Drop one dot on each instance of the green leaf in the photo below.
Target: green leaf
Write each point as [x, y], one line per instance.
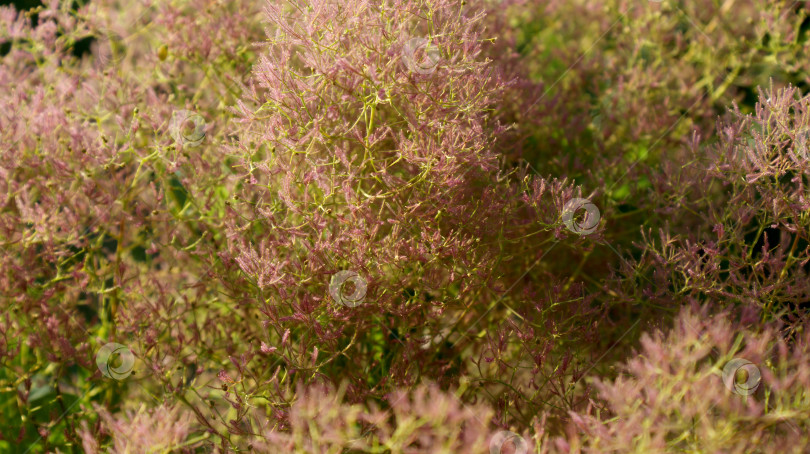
[621, 193]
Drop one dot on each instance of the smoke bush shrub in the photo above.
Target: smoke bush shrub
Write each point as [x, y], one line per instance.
[355, 161]
[429, 151]
[741, 233]
[645, 73]
[157, 430]
[672, 396]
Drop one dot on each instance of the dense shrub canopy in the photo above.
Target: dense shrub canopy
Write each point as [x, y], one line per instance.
[404, 226]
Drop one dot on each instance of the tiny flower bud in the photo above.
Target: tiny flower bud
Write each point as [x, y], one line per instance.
[163, 52]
